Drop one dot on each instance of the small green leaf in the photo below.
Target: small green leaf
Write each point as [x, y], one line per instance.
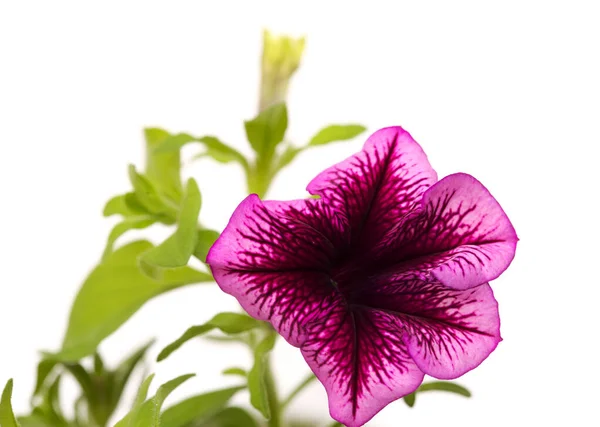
[336, 133]
[7, 416]
[229, 323]
[118, 206]
[130, 223]
[231, 417]
[444, 386]
[177, 249]
[235, 371]
[409, 399]
[129, 419]
[163, 168]
[256, 376]
[49, 409]
[147, 195]
[267, 130]
[123, 372]
[111, 294]
[85, 381]
[206, 238]
[44, 368]
[198, 409]
[214, 148]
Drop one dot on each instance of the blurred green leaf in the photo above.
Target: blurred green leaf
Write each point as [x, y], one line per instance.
[176, 250]
[206, 238]
[130, 223]
[163, 168]
[111, 294]
[267, 130]
[7, 416]
[44, 368]
[198, 409]
[286, 157]
[213, 146]
[235, 371]
[118, 206]
[49, 409]
[147, 195]
[230, 417]
[439, 386]
[31, 421]
[229, 323]
[85, 381]
[129, 419]
[256, 376]
[149, 413]
[336, 133]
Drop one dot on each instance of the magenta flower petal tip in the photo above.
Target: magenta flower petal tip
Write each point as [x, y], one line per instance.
[381, 280]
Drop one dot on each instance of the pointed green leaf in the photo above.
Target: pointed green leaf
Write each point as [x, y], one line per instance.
[177, 249]
[44, 368]
[229, 323]
[147, 195]
[130, 223]
[7, 416]
[50, 409]
[336, 133]
[129, 419]
[206, 238]
[444, 386]
[111, 294]
[235, 371]
[85, 381]
[213, 146]
[267, 130]
[123, 372]
[409, 399]
[231, 417]
[163, 168]
[256, 376]
[198, 409]
[118, 206]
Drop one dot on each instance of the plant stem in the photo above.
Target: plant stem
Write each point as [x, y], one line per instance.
[275, 407]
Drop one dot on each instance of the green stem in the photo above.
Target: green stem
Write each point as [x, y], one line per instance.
[274, 405]
[309, 379]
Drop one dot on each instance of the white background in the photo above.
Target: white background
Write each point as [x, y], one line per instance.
[508, 92]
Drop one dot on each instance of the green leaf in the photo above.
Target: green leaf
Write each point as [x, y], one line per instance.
[129, 419]
[111, 294]
[206, 238]
[49, 409]
[85, 381]
[214, 148]
[130, 223]
[44, 368]
[147, 195]
[118, 206]
[148, 414]
[444, 386]
[177, 249]
[229, 323]
[336, 133]
[163, 168]
[121, 375]
[267, 130]
[235, 371]
[198, 409]
[7, 416]
[436, 385]
[230, 417]
[256, 376]
[286, 157]
[409, 399]
[32, 421]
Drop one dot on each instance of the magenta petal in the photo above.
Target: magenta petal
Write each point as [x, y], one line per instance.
[447, 332]
[361, 359]
[460, 235]
[377, 186]
[274, 259]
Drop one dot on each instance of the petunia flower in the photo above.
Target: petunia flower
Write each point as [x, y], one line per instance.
[380, 280]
